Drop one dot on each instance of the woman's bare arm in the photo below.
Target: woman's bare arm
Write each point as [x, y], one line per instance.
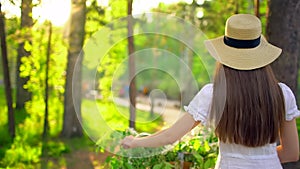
[288, 150]
[167, 136]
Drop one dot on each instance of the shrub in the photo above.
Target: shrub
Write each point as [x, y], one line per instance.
[200, 150]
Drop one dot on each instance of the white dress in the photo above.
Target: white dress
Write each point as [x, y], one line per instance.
[234, 156]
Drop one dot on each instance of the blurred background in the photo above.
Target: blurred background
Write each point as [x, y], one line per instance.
[41, 44]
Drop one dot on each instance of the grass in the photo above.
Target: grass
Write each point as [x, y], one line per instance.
[100, 119]
[5, 139]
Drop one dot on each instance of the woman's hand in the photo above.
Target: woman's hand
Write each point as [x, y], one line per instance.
[127, 142]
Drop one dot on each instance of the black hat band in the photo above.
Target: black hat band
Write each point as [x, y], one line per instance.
[236, 43]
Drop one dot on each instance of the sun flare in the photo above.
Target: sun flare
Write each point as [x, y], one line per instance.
[56, 11]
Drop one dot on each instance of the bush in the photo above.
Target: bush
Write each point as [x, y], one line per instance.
[200, 150]
[21, 152]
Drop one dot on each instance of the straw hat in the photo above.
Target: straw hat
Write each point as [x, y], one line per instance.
[242, 47]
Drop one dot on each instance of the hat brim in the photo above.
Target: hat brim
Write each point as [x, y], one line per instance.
[243, 59]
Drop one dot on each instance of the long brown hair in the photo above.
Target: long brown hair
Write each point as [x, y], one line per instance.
[247, 106]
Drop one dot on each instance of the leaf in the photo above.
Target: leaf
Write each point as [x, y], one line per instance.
[158, 166]
[209, 163]
[128, 166]
[206, 146]
[198, 157]
[168, 165]
[196, 145]
[27, 46]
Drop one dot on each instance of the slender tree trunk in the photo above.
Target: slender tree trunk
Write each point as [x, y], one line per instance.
[8, 94]
[23, 95]
[283, 30]
[71, 123]
[132, 86]
[188, 57]
[46, 121]
[236, 11]
[256, 8]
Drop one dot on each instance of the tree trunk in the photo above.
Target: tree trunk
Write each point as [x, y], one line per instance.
[46, 121]
[23, 95]
[132, 86]
[71, 123]
[256, 8]
[7, 85]
[283, 30]
[237, 6]
[188, 57]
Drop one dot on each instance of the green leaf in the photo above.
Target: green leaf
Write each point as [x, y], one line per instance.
[206, 146]
[158, 166]
[128, 166]
[27, 46]
[168, 165]
[209, 163]
[198, 157]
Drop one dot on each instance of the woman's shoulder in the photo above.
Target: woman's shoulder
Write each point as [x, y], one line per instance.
[205, 91]
[207, 87]
[286, 90]
[291, 107]
[283, 86]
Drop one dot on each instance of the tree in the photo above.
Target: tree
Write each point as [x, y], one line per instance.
[256, 8]
[188, 55]
[71, 123]
[283, 29]
[132, 87]
[8, 94]
[46, 121]
[22, 94]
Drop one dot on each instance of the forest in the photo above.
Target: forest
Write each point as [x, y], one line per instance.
[77, 76]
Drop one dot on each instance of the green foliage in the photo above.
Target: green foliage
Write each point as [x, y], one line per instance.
[27, 148]
[34, 67]
[215, 13]
[116, 12]
[5, 140]
[135, 158]
[55, 148]
[114, 66]
[156, 78]
[95, 18]
[108, 65]
[4, 136]
[199, 150]
[25, 154]
[21, 153]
